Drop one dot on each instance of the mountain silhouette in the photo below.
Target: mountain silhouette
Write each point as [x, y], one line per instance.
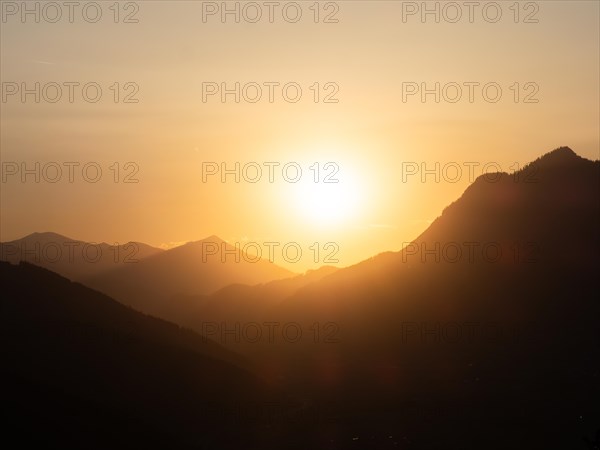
[72, 258]
[413, 323]
[240, 302]
[196, 268]
[498, 340]
[481, 333]
[83, 371]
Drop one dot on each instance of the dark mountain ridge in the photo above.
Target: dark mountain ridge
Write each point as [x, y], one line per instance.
[84, 371]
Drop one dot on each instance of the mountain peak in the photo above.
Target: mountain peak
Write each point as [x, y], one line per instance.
[562, 151]
[560, 155]
[559, 159]
[213, 238]
[46, 235]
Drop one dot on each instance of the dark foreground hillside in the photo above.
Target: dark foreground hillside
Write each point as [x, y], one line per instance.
[83, 371]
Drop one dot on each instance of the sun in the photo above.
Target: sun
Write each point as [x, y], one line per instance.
[330, 200]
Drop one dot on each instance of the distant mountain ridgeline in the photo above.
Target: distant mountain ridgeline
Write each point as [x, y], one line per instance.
[73, 258]
[139, 275]
[196, 268]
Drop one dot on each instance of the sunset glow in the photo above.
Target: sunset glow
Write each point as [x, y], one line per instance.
[304, 225]
[195, 87]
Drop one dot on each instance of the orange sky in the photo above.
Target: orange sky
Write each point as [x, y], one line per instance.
[369, 136]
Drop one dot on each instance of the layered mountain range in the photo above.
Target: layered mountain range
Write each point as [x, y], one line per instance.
[481, 333]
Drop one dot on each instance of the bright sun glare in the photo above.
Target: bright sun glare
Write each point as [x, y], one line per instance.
[329, 203]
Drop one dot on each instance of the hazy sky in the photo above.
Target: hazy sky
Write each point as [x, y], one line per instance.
[370, 57]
